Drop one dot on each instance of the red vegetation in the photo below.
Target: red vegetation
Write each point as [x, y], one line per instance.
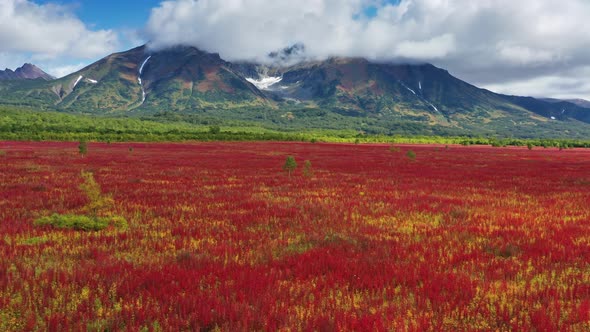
[219, 236]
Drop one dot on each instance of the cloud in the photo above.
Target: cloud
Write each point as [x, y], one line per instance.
[487, 42]
[250, 29]
[49, 31]
[565, 85]
[437, 47]
[63, 70]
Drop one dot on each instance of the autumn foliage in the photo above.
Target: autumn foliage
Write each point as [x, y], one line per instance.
[219, 237]
[98, 215]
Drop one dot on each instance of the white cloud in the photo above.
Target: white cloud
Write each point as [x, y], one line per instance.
[487, 42]
[247, 29]
[565, 85]
[49, 31]
[63, 70]
[437, 47]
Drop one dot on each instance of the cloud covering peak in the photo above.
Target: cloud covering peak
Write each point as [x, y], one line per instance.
[490, 42]
[251, 29]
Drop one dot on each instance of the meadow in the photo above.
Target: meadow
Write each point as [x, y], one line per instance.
[219, 237]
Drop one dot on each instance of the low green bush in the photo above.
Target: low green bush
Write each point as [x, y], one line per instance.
[394, 148]
[81, 222]
[34, 241]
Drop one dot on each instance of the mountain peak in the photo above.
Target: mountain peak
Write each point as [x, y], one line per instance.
[27, 71]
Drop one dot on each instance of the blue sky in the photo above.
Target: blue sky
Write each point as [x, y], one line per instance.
[109, 14]
[525, 47]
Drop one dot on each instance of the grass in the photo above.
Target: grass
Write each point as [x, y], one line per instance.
[25, 124]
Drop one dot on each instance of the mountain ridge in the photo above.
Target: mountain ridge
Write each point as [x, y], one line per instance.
[350, 93]
[578, 101]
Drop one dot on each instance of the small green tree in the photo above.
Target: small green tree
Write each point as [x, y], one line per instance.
[83, 147]
[307, 171]
[97, 202]
[411, 155]
[214, 130]
[290, 165]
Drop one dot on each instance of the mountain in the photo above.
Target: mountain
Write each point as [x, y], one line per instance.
[178, 78]
[292, 92]
[579, 102]
[418, 93]
[357, 86]
[555, 110]
[27, 71]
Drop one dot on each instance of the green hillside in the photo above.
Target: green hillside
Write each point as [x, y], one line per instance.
[188, 85]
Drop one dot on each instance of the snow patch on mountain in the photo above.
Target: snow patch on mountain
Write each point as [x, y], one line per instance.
[405, 86]
[77, 81]
[143, 64]
[139, 78]
[265, 82]
[420, 97]
[434, 107]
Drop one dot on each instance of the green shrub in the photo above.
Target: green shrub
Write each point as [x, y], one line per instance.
[394, 148]
[307, 170]
[411, 155]
[81, 222]
[290, 165]
[97, 202]
[73, 221]
[83, 147]
[34, 241]
[214, 130]
[98, 209]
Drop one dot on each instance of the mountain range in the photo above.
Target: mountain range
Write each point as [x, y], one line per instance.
[27, 71]
[293, 92]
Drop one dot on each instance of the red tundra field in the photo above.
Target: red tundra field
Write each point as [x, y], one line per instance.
[219, 237]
